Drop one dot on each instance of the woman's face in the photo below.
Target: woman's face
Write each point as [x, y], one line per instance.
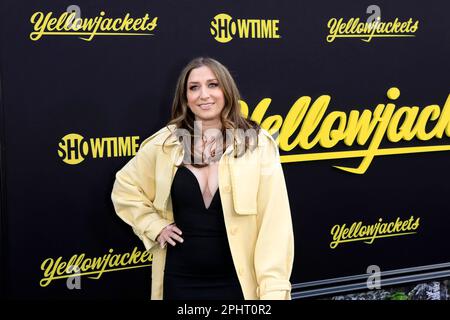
[204, 96]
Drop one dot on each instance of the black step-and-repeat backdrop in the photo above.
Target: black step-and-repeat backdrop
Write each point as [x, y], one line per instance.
[356, 93]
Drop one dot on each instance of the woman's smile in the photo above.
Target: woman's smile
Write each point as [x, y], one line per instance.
[206, 106]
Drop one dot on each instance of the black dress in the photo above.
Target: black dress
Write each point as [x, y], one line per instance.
[201, 267]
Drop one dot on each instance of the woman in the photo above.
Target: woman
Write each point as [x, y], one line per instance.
[207, 195]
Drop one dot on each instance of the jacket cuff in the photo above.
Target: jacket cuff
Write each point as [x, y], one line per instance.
[276, 295]
[148, 244]
[155, 228]
[149, 237]
[274, 289]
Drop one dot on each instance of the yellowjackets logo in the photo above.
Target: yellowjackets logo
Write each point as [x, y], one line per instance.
[79, 265]
[368, 233]
[74, 148]
[224, 28]
[71, 24]
[308, 125]
[373, 27]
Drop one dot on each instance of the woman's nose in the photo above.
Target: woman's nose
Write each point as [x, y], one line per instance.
[204, 93]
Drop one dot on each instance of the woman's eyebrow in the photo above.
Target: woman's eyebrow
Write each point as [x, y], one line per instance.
[209, 80]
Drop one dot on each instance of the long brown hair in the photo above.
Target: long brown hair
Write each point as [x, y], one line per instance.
[230, 117]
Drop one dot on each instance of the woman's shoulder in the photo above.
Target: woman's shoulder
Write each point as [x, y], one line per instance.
[160, 136]
[265, 139]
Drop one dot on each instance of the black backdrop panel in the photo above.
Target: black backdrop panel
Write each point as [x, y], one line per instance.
[122, 86]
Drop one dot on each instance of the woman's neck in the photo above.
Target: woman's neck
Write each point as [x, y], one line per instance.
[208, 127]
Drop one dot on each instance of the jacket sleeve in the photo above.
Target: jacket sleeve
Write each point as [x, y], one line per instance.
[274, 252]
[134, 192]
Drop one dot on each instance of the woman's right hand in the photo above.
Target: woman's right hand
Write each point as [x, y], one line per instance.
[168, 235]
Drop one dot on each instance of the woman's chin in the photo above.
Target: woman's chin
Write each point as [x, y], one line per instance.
[206, 116]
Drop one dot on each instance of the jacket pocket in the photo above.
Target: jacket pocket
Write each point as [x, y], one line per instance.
[244, 183]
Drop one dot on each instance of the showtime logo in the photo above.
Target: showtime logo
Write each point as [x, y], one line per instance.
[74, 148]
[223, 28]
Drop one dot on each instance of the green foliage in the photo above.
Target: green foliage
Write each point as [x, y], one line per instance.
[398, 296]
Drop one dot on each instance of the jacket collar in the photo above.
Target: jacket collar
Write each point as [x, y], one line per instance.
[171, 139]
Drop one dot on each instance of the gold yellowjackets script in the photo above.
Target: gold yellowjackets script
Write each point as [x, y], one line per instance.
[354, 28]
[67, 24]
[94, 267]
[368, 233]
[308, 125]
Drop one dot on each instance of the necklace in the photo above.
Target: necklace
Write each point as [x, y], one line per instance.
[209, 145]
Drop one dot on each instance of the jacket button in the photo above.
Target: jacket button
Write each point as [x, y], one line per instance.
[233, 231]
[241, 271]
[227, 188]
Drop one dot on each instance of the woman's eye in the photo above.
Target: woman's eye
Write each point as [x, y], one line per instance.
[211, 85]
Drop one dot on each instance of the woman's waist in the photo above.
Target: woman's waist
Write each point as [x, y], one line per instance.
[198, 254]
[194, 232]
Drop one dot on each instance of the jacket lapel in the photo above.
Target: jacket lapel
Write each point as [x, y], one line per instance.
[243, 172]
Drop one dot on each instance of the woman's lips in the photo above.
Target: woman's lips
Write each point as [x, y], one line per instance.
[206, 106]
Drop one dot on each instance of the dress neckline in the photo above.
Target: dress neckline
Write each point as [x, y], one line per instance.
[200, 189]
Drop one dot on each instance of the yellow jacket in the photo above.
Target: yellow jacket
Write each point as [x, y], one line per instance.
[255, 207]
